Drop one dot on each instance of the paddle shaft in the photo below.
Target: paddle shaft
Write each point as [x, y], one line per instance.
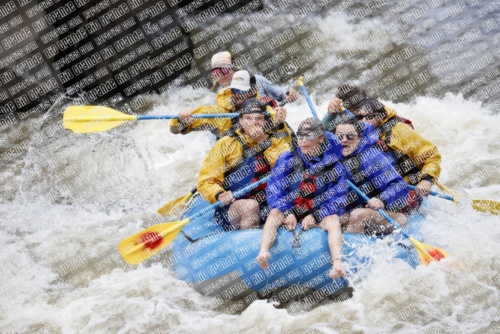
[382, 212]
[153, 117]
[238, 193]
[309, 102]
[146, 117]
[348, 112]
[424, 255]
[308, 99]
[435, 193]
[352, 185]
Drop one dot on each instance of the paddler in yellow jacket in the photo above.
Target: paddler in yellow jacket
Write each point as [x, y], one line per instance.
[236, 161]
[229, 99]
[414, 157]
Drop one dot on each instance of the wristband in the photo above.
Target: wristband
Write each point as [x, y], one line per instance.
[427, 177]
[336, 259]
[287, 213]
[218, 194]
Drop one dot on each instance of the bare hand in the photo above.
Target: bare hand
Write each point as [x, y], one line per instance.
[375, 204]
[291, 96]
[263, 259]
[308, 222]
[185, 115]
[337, 270]
[226, 197]
[291, 222]
[280, 114]
[334, 106]
[423, 188]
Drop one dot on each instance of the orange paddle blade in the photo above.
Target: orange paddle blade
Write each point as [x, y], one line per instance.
[428, 253]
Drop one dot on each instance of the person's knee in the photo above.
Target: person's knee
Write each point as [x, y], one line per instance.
[401, 219]
[275, 212]
[357, 212]
[243, 205]
[331, 223]
[361, 213]
[360, 219]
[275, 219]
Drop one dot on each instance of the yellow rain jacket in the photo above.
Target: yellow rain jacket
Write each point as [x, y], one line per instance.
[416, 156]
[225, 155]
[214, 125]
[219, 126]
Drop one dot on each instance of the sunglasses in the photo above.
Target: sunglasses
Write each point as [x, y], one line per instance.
[349, 136]
[369, 117]
[220, 72]
[306, 135]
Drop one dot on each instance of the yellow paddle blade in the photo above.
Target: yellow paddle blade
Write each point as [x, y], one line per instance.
[85, 119]
[428, 253]
[300, 81]
[482, 205]
[150, 241]
[177, 204]
[486, 205]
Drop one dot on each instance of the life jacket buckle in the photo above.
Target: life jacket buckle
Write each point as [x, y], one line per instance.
[296, 239]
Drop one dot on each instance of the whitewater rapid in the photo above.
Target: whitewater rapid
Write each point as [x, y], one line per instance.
[62, 272]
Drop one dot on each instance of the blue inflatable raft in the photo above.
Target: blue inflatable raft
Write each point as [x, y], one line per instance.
[222, 264]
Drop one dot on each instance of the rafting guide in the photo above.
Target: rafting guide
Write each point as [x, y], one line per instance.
[224, 67]
[242, 86]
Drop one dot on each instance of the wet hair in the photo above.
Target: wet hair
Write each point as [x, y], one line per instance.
[358, 125]
[312, 124]
[371, 105]
[251, 105]
[350, 94]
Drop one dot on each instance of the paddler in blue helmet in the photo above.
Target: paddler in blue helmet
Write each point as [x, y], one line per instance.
[308, 186]
[243, 86]
[238, 160]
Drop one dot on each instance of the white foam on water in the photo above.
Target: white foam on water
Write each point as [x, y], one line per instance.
[62, 273]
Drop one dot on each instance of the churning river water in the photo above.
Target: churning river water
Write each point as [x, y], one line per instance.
[68, 199]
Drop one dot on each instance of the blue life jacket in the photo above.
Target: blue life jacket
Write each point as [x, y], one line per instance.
[371, 170]
[309, 184]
